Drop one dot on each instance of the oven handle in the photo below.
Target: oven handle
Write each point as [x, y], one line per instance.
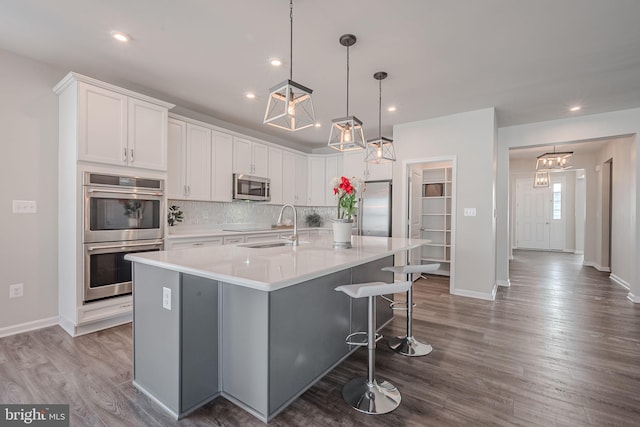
[130, 245]
[143, 193]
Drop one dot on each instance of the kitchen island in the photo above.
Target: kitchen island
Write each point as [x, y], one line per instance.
[257, 323]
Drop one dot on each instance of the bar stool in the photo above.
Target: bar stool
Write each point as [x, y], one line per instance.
[408, 345]
[368, 394]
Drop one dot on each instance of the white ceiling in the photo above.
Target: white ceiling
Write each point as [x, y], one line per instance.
[530, 59]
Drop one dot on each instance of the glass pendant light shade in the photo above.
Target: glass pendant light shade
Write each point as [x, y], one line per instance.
[380, 149]
[541, 179]
[290, 106]
[346, 134]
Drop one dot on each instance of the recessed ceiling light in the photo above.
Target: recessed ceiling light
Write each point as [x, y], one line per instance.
[250, 95]
[120, 36]
[276, 62]
[317, 124]
[576, 108]
[392, 108]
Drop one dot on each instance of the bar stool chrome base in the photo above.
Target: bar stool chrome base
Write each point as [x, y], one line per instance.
[409, 346]
[371, 398]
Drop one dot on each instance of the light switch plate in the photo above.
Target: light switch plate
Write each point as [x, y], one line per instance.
[166, 298]
[469, 211]
[24, 206]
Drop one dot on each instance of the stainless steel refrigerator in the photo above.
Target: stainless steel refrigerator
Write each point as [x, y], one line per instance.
[374, 212]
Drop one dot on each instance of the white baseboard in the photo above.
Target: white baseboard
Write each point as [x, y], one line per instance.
[620, 281]
[579, 252]
[479, 295]
[631, 297]
[596, 266]
[77, 330]
[503, 283]
[28, 326]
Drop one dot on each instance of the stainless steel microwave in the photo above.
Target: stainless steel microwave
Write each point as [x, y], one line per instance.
[247, 187]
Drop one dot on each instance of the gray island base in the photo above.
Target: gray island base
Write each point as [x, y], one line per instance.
[197, 338]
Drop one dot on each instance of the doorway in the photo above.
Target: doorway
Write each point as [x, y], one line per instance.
[430, 209]
[541, 214]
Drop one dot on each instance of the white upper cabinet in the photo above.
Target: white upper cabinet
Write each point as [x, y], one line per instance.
[199, 166]
[333, 167]
[379, 172]
[317, 181]
[221, 175]
[276, 175]
[250, 157]
[198, 163]
[114, 128]
[289, 178]
[176, 144]
[102, 125]
[147, 135]
[300, 181]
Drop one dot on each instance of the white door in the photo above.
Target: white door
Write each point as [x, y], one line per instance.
[540, 215]
[289, 178]
[242, 156]
[415, 212]
[300, 185]
[276, 175]
[221, 162]
[260, 158]
[317, 185]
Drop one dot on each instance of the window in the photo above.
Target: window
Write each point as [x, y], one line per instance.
[557, 201]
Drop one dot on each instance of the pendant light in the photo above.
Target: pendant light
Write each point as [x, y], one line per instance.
[541, 179]
[346, 132]
[290, 105]
[551, 161]
[380, 149]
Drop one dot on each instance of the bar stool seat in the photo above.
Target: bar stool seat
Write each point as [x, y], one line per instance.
[368, 394]
[407, 345]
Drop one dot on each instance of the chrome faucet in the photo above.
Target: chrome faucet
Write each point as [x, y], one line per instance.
[293, 239]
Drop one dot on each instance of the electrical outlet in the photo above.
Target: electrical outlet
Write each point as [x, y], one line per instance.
[25, 206]
[16, 290]
[469, 211]
[166, 298]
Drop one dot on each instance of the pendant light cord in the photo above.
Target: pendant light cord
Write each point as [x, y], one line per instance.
[290, 39]
[347, 81]
[380, 111]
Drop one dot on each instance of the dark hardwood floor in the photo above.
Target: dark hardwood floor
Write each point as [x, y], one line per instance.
[561, 346]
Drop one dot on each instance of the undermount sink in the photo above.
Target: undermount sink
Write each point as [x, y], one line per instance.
[265, 245]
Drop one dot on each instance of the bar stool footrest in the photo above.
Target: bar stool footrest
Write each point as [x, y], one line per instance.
[361, 343]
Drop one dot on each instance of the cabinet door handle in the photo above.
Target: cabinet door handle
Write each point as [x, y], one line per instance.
[124, 155]
[189, 190]
[131, 150]
[184, 190]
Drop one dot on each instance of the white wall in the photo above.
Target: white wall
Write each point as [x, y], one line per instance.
[470, 137]
[622, 264]
[606, 125]
[28, 171]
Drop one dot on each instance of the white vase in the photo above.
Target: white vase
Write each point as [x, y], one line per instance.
[342, 229]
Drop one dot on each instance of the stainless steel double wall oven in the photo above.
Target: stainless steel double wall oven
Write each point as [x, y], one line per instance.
[122, 214]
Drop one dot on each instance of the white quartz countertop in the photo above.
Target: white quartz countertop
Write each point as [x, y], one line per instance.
[274, 268]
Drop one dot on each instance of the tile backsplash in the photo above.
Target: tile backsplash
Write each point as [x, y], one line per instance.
[213, 215]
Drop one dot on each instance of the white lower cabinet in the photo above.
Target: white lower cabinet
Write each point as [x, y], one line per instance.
[193, 242]
[261, 237]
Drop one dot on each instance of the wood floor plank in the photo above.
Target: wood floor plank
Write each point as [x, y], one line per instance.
[559, 347]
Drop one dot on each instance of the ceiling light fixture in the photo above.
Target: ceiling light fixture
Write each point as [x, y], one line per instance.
[290, 105]
[346, 132]
[380, 149]
[391, 109]
[318, 124]
[250, 95]
[576, 108]
[276, 62]
[541, 179]
[554, 161]
[120, 36]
